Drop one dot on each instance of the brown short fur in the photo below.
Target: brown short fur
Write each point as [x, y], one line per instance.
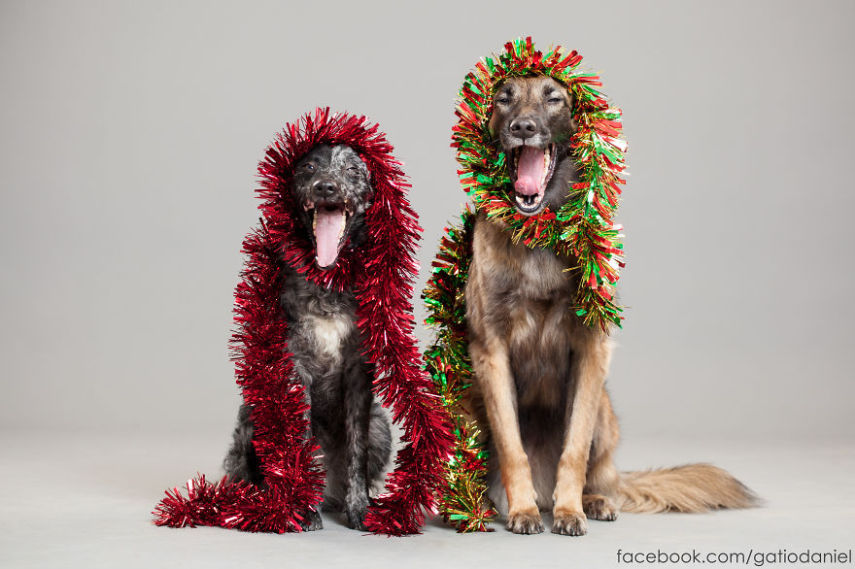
[540, 372]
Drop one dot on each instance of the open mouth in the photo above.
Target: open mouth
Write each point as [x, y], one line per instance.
[531, 169]
[329, 221]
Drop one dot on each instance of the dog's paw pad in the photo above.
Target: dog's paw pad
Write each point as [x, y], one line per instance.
[570, 524]
[525, 522]
[598, 507]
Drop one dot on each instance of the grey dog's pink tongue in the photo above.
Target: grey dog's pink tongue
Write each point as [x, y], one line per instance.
[329, 225]
[529, 171]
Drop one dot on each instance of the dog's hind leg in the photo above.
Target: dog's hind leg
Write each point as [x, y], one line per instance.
[602, 479]
[493, 370]
[592, 352]
[241, 462]
[379, 445]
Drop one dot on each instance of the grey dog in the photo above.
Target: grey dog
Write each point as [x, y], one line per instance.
[331, 193]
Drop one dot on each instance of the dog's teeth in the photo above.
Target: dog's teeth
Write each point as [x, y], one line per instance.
[528, 201]
[545, 167]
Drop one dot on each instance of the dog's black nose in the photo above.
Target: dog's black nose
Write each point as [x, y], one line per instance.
[523, 127]
[324, 188]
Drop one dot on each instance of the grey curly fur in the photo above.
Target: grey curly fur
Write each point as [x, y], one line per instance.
[326, 344]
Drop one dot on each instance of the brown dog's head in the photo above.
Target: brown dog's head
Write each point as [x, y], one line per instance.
[532, 120]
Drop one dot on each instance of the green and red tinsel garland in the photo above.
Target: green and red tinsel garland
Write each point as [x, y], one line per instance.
[583, 228]
[464, 502]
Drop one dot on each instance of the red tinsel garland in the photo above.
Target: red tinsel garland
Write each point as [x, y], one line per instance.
[381, 274]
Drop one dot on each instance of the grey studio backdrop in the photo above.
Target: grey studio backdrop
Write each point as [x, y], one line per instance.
[130, 138]
[132, 133]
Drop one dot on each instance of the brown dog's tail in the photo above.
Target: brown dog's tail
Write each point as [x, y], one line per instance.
[687, 488]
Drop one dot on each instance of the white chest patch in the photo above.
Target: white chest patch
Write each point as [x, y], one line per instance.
[329, 333]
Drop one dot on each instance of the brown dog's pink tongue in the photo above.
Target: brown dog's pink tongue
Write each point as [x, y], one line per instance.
[529, 171]
[329, 226]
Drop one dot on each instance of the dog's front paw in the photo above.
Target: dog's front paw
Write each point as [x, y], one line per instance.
[355, 510]
[525, 522]
[569, 523]
[356, 518]
[312, 521]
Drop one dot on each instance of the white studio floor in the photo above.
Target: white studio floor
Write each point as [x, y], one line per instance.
[80, 500]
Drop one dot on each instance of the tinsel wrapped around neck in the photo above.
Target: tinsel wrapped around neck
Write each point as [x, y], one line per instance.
[583, 227]
[380, 272]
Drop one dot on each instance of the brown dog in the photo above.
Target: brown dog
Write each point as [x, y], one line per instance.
[539, 371]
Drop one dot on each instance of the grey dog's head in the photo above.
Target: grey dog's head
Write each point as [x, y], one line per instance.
[333, 189]
[533, 122]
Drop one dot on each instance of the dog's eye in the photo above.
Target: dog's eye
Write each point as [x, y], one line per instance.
[554, 100]
[352, 170]
[309, 167]
[503, 100]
